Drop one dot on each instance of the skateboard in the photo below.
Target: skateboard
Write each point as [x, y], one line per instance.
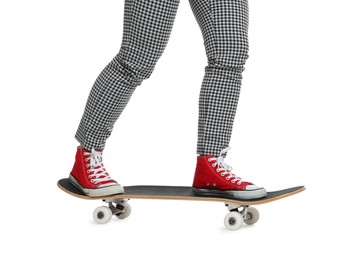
[240, 211]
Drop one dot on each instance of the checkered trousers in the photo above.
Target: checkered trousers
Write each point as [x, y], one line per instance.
[146, 31]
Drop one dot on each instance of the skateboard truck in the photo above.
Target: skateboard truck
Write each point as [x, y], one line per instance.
[117, 207]
[240, 214]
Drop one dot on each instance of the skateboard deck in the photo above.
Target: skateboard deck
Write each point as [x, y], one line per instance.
[239, 210]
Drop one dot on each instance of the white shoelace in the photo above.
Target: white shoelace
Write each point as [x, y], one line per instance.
[226, 169]
[97, 168]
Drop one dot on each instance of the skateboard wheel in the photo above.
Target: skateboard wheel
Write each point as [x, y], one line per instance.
[102, 215]
[252, 216]
[126, 212]
[233, 220]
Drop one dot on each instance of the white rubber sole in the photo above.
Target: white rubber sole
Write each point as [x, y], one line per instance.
[112, 189]
[244, 195]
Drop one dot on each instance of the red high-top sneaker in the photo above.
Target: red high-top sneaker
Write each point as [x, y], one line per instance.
[90, 175]
[213, 176]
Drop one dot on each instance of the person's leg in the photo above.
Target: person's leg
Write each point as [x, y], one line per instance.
[224, 25]
[147, 27]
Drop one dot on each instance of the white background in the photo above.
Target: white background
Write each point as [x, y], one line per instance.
[290, 129]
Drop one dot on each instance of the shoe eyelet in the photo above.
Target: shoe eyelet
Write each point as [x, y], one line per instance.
[87, 165]
[214, 165]
[88, 171]
[209, 159]
[227, 178]
[232, 181]
[222, 174]
[92, 181]
[217, 170]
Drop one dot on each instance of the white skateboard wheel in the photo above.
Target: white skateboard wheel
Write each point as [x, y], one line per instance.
[252, 216]
[126, 212]
[102, 215]
[233, 220]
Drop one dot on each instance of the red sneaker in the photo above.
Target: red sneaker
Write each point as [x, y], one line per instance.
[90, 175]
[213, 176]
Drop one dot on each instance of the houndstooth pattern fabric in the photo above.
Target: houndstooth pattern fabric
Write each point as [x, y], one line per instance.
[146, 31]
[224, 25]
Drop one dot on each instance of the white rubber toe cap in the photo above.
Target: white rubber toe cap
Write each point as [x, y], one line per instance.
[253, 187]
